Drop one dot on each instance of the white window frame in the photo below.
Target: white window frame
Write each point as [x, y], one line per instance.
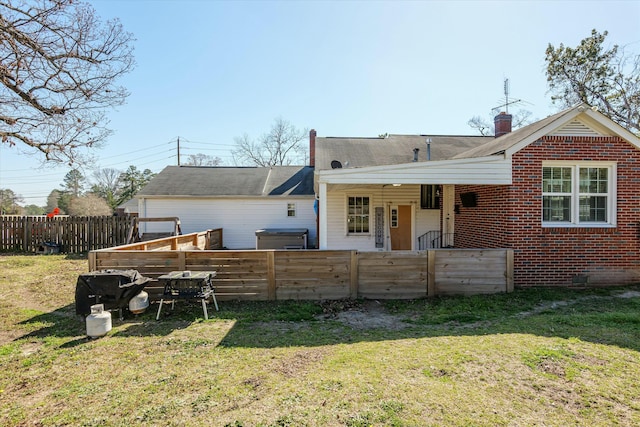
[575, 194]
[393, 217]
[291, 208]
[370, 215]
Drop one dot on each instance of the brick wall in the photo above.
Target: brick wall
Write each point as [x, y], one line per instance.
[510, 217]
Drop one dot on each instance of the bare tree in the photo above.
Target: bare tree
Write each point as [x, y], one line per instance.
[200, 159]
[280, 146]
[107, 178]
[480, 124]
[89, 205]
[107, 183]
[58, 70]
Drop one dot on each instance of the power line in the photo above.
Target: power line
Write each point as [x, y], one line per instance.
[208, 143]
[44, 178]
[128, 153]
[136, 163]
[132, 152]
[23, 178]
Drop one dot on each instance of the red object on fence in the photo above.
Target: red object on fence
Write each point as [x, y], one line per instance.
[53, 213]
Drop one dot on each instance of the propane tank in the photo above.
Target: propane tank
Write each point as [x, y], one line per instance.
[139, 303]
[98, 322]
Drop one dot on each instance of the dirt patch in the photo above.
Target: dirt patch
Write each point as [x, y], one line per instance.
[371, 314]
[590, 360]
[31, 348]
[629, 294]
[7, 336]
[253, 382]
[367, 314]
[299, 362]
[553, 305]
[553, 368]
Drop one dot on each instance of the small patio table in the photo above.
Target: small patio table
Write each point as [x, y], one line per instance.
[188, 285]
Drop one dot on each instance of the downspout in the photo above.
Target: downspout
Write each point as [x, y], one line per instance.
[316, 207]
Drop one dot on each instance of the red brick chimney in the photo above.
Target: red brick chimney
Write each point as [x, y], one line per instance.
[502, 123]
[312, 147]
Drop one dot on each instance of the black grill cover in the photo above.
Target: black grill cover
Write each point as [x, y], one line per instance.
[113, 288]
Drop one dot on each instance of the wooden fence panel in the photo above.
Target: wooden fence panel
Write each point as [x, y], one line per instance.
[397, 274]
[471, 271]
[239, 274]
[71, 234]
[312, 275]
[148, 263]
[11, 233]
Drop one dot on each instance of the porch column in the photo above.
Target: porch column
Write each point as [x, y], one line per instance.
[448, 226]
[322, 216]
[142, 213]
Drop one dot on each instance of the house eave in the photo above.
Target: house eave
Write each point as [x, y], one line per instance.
[489, 170]
[222, 197]
[614, 127]
[602, 121]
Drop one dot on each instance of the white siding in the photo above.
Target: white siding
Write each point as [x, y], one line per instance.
[337, 237]
[239, 218]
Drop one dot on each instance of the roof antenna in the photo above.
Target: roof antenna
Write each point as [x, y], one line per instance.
[506, 94]
[506, 98]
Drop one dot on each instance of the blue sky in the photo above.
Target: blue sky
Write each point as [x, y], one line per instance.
[210, 71]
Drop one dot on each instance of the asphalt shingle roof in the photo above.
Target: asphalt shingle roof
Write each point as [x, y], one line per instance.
[390, 150]
[231, 181]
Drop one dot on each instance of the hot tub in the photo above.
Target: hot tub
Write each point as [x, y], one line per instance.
[282, 238]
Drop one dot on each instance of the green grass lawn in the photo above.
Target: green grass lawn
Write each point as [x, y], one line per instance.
[545, 357]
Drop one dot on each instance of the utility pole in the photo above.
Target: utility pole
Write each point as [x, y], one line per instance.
[178, 151]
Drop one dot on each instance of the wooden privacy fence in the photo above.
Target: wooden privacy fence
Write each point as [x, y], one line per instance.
[71, 234]
[318, 274]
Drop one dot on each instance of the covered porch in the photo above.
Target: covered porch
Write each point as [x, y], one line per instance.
[408, 206]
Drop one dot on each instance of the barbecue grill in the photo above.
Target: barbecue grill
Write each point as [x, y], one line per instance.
[112, 288]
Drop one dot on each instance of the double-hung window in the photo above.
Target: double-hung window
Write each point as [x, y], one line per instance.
[581, 194]
[291, 209]
[358, 211]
